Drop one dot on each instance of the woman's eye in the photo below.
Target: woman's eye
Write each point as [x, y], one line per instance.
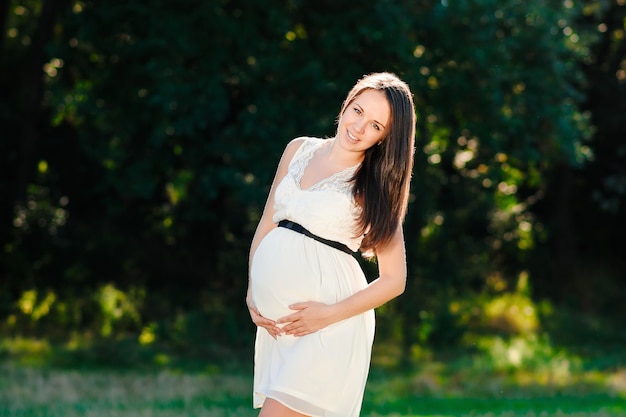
[376, 126]
[357, 111]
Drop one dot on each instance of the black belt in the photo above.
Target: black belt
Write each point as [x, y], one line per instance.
[288, 224]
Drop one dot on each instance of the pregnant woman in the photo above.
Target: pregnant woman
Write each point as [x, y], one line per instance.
[307, 293]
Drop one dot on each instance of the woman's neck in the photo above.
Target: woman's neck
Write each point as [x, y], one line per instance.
[340, 157]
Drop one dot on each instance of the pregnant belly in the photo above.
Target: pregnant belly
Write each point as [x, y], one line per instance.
[283, 271]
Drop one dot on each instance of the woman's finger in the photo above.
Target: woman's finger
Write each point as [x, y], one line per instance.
[273, 331]
[269, 325]
[265, 322]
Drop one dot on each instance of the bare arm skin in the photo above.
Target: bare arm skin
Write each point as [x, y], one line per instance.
[266, 224]
[313, 316]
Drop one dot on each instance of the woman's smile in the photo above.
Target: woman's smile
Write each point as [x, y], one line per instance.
[364, 120]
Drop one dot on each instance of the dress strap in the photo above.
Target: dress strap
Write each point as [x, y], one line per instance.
[302, 157]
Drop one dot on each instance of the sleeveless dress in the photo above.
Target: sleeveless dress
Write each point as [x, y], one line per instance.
[322, 374]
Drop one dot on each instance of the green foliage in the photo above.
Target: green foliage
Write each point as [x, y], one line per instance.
[138, 158]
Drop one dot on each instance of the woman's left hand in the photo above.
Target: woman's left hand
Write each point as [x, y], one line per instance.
[309, 317]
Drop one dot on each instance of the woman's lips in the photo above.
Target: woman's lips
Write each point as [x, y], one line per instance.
[352, 137]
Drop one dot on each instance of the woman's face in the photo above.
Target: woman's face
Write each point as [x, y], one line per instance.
[365, 121]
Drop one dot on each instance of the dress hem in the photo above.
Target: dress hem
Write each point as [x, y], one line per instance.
[300, 396]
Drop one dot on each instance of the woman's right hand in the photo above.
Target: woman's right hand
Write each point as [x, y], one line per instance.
[260, 321]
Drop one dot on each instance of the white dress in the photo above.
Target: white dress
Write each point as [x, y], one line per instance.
[322, 374]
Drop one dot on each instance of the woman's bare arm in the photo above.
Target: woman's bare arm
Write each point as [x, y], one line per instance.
[266, 224]
[312, 316]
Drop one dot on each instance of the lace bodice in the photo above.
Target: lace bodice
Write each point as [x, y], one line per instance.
[327, 208]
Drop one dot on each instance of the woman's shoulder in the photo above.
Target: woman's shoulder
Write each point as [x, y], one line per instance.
[301, 144]
[308, 140]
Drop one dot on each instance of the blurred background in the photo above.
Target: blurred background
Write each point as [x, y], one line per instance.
[139, 140]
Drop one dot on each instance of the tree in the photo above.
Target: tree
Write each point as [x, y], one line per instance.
[159, 129]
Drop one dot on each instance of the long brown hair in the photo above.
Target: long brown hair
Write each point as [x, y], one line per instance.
[381, 185]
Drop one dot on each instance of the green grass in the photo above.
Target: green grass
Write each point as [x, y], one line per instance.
[28, 391]
[516, 377]
[405, 397]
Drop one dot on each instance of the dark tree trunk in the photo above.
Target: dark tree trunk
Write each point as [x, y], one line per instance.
[565, 249]
[31, 93]
[5, 205]
[30, 114]
[4, 14]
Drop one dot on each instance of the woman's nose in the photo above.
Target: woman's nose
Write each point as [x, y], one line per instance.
[359, 125]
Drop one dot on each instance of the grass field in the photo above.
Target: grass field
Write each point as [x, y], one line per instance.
[518, 378]
[28, 391]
